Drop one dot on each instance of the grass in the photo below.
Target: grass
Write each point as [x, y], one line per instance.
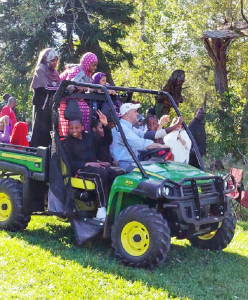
[42, 262]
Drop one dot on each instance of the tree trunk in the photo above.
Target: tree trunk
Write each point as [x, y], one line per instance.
[220, 72]
[217, 53]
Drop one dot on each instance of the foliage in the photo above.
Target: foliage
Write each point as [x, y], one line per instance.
[166, 36]
[43, 263]
[73, 27]
[231, 109]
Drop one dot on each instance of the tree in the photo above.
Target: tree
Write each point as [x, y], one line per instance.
[217, 43]
[72, 26]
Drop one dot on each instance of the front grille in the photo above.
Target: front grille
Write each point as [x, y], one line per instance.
[208, 188]
[187, 190]
[205, 188]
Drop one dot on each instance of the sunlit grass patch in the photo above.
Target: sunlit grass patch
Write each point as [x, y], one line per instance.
[43, 262]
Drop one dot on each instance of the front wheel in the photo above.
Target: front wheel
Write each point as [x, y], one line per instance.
[12, 216]
[140, 237]
[218, 239]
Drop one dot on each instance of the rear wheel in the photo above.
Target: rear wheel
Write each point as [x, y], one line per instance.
[12, 216]
[140, 237]
[217, 239]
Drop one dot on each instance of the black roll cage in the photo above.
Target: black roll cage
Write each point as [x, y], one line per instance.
[60, 93]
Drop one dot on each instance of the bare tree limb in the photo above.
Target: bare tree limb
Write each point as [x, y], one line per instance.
[210, 50]
[244, 157]
[242, 11]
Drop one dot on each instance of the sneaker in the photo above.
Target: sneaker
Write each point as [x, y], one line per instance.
[101, 214]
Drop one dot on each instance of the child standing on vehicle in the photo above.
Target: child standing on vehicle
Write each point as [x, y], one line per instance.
[82, 74]
[100, 78]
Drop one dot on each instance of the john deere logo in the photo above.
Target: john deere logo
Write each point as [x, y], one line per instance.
[129, 182]
[199, 190]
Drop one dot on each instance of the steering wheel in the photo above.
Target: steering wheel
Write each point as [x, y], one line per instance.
[163, 153]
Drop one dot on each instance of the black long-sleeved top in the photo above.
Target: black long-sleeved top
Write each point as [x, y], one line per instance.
[103, 153]
[80, 151]
[197, 129]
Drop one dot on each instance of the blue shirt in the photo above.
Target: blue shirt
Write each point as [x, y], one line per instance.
[134, 138]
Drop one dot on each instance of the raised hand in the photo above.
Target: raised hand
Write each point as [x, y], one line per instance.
[163, 121]
[102, 118]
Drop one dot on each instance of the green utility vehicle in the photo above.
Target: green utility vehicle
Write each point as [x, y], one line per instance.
[157, 200]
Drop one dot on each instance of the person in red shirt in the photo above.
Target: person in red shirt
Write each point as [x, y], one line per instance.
[8, 110]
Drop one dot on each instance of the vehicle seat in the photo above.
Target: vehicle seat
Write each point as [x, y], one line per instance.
[78, 183]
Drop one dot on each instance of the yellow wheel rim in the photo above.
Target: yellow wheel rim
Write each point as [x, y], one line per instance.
[135, 238]
[5, 207]
[209, 235]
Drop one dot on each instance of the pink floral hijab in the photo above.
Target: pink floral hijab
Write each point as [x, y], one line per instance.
[87, 59]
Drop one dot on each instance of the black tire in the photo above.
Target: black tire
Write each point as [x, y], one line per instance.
[218, 239]
[140, 237]
[12, 216]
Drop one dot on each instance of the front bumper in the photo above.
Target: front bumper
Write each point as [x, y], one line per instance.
[199, 200]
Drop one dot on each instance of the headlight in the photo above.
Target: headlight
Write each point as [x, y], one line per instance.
[167, 191]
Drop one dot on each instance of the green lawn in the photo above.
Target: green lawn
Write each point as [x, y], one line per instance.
[43, 263]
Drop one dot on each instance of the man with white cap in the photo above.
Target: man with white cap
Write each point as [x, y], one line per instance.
[133, 135]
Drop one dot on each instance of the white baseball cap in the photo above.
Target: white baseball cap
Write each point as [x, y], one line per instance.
[128, 106]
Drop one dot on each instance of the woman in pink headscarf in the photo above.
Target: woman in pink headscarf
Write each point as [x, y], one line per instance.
[79, 73]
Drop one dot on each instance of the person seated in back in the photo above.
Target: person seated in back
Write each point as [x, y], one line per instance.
[80, 148]
[5, 129]
[102, 132]
[155, 125]
[179, 141]
[19, 134]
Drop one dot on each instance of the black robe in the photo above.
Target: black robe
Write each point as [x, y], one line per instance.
[42, 118]
[197, 129]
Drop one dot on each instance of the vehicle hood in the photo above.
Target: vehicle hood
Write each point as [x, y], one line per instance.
[170, 170]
